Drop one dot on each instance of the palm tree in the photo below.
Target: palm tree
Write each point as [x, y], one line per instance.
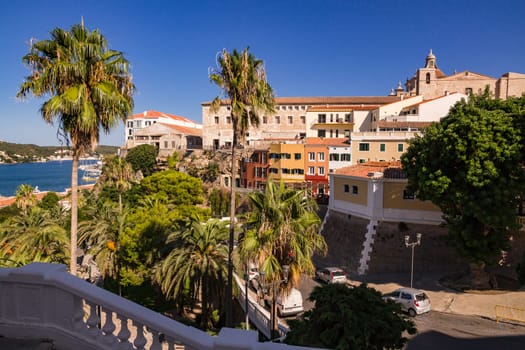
[198, 259]
[89, 87]
[119, 173]
[34, 235]
[242, 78]
[282, 236]
[102, 235]
[25, 197]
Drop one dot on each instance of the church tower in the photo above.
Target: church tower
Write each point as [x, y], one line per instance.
[426, 77]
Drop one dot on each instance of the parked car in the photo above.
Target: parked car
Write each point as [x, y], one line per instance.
[290, 304]
[331, 275]
[413, 301]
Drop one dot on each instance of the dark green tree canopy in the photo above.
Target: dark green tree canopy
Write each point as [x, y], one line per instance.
[143, 158]
[350, 318]
[470, 165]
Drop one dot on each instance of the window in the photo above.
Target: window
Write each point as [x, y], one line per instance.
[296, 107]
[336, 133]
[408, 195]
[274, 156]
[297, 171]
[331, 118]
[427, 79]
[311, 170]
[130, 124]
[347, 133]
[290, 108]
[320, 156]
[290, 119]
[286, 156]
[139, 124]
[346, 157]
[273, 170]
[468, 91]
[334, 157]
[320, 170]
[285, 171]
[321, 118]
[228, 120]
[216, 120]
[277, 119]
[297, 156]
[165, 144]
[346, 188]
[364, 147]
[172, 144]
[303, 119]
[302, 135]
[331, 133]
[382, 147]
[148, 123]
[265, 120]
[311, 156]
[355, 190]
[348, 118]
[400, 147]
[321, 133]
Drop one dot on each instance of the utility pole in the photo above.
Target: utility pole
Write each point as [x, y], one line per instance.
[412, 245]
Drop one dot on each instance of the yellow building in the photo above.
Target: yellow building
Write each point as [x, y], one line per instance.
[286, 163]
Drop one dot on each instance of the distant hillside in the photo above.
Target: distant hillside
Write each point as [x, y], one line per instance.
[18, 153]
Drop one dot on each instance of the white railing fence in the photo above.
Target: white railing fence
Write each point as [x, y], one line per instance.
[43, 301]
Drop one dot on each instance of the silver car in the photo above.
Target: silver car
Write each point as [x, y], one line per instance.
[331, 275]
[413, 301]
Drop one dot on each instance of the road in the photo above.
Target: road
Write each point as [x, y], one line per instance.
[439, 330]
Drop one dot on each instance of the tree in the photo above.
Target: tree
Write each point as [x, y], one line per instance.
[282, 236]
[33, 235]
[101, 234]
[198, 260]
[470, 165]
[118, 172]
[143, 158]
[350, 318]
[25, 197]
[242, 78]
[89, 87]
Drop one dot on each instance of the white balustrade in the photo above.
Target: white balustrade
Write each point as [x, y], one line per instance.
[43, 301]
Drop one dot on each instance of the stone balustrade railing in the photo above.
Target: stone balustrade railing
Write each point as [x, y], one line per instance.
[43, 301]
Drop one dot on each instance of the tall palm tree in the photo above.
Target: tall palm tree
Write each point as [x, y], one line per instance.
[282, 236]
[89, 87]
[198, 259]
[242, 78]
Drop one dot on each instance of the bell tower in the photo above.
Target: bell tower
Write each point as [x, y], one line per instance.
[430, 61]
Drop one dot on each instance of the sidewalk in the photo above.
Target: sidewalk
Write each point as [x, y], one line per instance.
[479, 303]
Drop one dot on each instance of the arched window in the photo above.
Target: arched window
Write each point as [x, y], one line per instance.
[428, 78]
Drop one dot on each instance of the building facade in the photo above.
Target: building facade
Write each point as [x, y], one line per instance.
[431, 82]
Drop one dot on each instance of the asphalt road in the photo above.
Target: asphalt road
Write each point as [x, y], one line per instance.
[439, 330]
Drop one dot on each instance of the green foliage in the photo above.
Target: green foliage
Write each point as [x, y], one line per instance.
[174, 187]
[143, 158]
[211, 172]
[470, 165]
[49, 201]
[219, 202]
[172, 160]
[350, 318]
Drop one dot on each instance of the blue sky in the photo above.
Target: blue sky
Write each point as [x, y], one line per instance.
[310, 48]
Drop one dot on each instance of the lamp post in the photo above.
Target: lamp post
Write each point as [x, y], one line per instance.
[412, 245]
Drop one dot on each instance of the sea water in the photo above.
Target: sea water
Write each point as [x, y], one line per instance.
[48, 176]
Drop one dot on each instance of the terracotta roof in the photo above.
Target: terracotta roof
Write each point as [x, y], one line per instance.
[342, 108]
[156, 114]
[327, 141]
[440, 74]
[185, 130]
[391, 170]
[323, 100]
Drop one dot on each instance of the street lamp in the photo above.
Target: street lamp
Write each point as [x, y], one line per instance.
[412, 245]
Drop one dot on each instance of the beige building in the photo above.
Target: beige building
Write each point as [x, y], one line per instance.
[431, 82]
[286, 163]
[288, 122]
[167, 132]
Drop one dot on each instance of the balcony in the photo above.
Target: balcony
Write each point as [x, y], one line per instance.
[44, 302]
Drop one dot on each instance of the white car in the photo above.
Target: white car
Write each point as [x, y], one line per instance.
[413, 301]
[331, 275]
